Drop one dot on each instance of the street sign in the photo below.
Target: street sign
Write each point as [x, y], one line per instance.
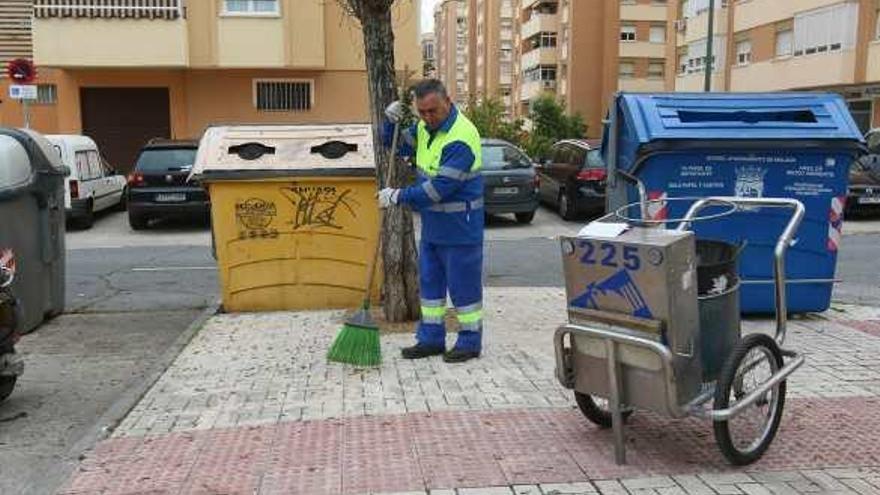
[23, 91]
[21, 71]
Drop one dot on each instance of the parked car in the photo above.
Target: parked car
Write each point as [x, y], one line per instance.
[572, 178]
[159, 186]
[509, 180]
[863, 196]
[93, 185]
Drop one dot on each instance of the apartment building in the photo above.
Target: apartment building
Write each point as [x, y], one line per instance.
[770, 45]
[492, 50]
[429, 60]
[126, 72]
[582, 51]
[451, 28]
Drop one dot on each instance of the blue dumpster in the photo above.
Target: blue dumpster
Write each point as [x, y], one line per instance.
[793, 145]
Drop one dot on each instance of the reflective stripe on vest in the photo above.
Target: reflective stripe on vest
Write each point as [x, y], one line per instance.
[428, 158]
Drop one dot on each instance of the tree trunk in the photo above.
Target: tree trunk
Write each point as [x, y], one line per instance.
[399, 258]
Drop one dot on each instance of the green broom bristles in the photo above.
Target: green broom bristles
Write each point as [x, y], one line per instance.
[357, 344]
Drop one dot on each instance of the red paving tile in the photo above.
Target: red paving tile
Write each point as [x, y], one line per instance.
[870, 327]
[461, 449]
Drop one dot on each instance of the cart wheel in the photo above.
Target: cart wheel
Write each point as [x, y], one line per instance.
[744, 438]
[597, 410]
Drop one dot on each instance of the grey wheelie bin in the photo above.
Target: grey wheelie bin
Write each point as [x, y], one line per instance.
[32, 222]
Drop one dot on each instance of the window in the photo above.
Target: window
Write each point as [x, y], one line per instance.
[784, 42]
[283, 96]
[682, 63]
[656, 70]
[627, 70]
[877, 22]
[81, 159]
[658, 34]
[826, 29]
[251, 6]
[95, 169]
[744, 52]
[696, 55]
[627, 33]
[544, 40]
[47, 94]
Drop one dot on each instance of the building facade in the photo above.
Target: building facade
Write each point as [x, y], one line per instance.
[452, 31]
[582, 51]
[492, 50]
[771, 45]
[429, 59]
[126, 72]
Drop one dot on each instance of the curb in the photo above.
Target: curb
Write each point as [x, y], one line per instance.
[50, 483]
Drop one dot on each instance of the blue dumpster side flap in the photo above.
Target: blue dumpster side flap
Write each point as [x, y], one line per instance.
[737, 116]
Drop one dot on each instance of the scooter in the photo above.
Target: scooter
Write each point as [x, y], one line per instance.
[11, 364]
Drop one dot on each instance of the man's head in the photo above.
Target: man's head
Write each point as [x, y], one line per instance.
[432, 102]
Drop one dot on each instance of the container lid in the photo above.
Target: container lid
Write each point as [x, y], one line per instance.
[738, 116]
[15, 166]
[43, 157]
[285, 150]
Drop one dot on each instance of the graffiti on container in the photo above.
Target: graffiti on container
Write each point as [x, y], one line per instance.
[319, 206]
[254, 217]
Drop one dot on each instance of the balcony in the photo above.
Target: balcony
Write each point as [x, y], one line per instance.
[641, 85]
[759, 12]
[695, 82]
[643, 12]
[532, 89]
[697, 28]
[148, 33]
[528, 4]
[540, 23]
[642, 49]
[808, 71]
[540, 56]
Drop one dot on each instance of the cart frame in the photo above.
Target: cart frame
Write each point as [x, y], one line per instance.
[614, 340]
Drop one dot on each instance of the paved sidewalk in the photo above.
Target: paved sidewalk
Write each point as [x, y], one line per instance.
[252, 407]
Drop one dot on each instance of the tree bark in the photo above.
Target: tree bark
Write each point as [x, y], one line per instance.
[399, 257]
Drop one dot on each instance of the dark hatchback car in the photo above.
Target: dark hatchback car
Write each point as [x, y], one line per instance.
[863, 196]
[159, 186]
[572, 178]
[510, 183]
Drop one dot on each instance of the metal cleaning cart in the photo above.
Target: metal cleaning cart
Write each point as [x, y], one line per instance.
[655, 324]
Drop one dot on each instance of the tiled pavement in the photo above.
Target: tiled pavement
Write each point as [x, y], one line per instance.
[251, 407]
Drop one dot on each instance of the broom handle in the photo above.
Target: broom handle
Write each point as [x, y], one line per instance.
[374, 261]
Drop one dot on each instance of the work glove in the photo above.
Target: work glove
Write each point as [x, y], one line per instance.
[388, 197]
[394, 112]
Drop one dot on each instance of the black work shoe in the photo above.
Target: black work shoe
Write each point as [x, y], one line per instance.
[460, 356]
[419, 351]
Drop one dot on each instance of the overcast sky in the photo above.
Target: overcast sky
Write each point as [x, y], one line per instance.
[428, 15]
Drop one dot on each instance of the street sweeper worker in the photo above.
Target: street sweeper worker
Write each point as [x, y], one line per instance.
[449, 197]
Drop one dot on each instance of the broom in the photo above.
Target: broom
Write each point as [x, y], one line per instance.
[358, 341]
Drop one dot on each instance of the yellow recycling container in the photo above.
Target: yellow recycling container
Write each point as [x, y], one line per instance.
[294, 214]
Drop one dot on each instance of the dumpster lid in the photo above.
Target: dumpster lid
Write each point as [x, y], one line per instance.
[738, 116]
[16, 171]
[285, 149]
[43, 156]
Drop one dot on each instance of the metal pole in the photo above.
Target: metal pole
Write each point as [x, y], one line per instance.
[26, 108]
[617, 425]
[710, 48]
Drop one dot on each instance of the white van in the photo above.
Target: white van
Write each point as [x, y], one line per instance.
[92, 185]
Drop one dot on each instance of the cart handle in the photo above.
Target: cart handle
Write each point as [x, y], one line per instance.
[785, 240]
